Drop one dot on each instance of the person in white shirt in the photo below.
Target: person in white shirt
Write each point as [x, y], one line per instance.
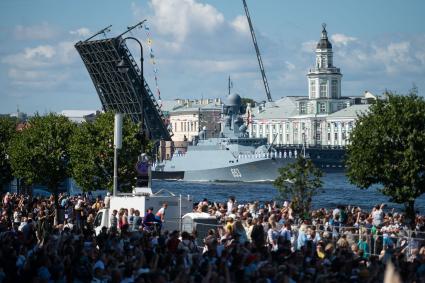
[160, 215]
[378, 214]
[230, 204]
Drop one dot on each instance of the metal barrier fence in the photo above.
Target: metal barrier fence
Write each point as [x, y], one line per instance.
[409, 243]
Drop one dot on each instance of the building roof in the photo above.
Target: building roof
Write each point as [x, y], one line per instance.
[284, 107]
[351, 112]
[195, 107]
[78, 115]
[169, 105]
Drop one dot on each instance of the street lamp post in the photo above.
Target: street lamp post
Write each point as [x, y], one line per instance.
[123, 67]
[117, 146]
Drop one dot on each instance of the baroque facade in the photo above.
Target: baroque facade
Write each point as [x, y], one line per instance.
[324, 118]
[188, 117]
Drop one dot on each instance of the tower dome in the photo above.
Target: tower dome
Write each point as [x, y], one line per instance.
[324, 42]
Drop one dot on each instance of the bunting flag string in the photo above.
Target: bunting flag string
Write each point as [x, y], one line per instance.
[153, 62]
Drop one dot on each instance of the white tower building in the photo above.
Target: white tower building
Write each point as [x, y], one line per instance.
[324, 80]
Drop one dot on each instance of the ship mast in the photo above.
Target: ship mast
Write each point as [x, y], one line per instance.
[230, 85]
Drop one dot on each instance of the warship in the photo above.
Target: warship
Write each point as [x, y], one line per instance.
[231, 157]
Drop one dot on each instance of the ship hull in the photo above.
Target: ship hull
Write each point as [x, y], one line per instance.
[168, 175]
[265, 170]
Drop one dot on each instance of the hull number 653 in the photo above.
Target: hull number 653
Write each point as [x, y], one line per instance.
[235, 172]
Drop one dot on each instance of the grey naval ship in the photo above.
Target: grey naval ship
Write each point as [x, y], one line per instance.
[232, 157]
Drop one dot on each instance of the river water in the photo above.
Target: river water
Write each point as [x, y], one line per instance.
[336, 190]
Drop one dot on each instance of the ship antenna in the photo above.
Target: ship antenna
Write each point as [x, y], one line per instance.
[230, 85]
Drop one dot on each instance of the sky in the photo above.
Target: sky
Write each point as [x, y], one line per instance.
[379, 45]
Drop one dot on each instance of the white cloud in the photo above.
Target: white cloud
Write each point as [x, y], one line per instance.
[17, 74]
[395, 57]
[39, 79]
[420, 55]
[43, 66]
[46, 51]
[240, 24]
[36, 57]
[340, 39]
[179, 18]
[220, 66]
[43, 56]
[309, 46]
[81, 32]
[289, 66]
[36, 32]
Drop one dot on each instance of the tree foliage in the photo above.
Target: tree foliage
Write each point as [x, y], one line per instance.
[7, 131]
[299, 182]
[39, 153]
[388, 148]
[92, 153]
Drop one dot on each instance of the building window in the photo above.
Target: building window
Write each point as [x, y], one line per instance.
[329, 136]
[175, 126]
[334, 88]
[274, 128]
[181, 126]
[318, 137]
[323, 88]
[322, 107]
[313, 88]
[261, 129]
[254, 128]
[303, 108]
[287, 126]
[335, 136]
[268, 128]
[287, 138]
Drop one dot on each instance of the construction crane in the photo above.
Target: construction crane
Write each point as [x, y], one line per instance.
[257, 50]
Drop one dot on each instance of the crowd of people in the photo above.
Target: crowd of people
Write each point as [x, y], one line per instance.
[251, 242]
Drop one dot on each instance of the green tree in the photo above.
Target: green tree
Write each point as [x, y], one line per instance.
[39, 153]
[299, 182]
[7, 131]
[388, 149]
[92, 153]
